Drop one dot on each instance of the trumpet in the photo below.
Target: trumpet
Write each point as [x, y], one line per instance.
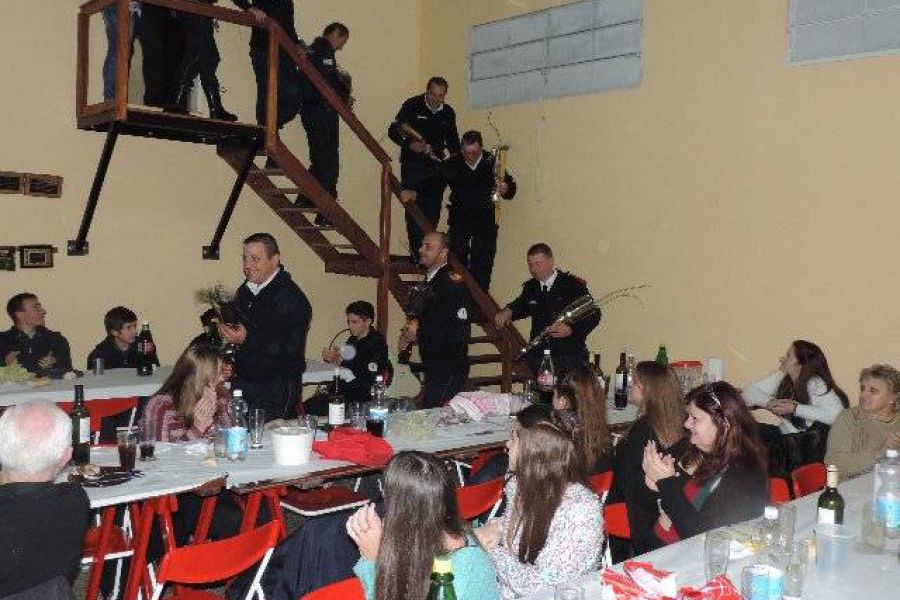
[409, 131]
[576, 311]
[499, 154]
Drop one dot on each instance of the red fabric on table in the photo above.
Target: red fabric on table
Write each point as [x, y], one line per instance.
[360, 447]
[717, 588]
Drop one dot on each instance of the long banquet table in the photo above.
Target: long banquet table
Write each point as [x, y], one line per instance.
[125, 383]
[869, 576]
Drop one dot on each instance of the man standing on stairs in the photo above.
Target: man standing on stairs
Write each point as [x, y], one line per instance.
[319, 118]
[441, 327]
[425, 130]
[275, 316]
[543, 298]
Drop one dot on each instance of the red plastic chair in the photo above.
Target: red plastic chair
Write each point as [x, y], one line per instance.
[601, 483]
[321, 501]
[217, 561]
[779, 492]
[100, 409]
[808, 479]
[474, 500]
[348, 589]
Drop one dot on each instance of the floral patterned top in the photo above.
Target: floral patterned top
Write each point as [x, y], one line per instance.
[574, 545]
[170, 427]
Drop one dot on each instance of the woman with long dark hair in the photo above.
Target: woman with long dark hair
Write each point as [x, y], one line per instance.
[552, 530]
[580, 392]
[420, 523]
[722, 479]
[802, 391]
[661, 414]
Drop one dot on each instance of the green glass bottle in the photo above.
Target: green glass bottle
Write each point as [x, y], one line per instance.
[441, 580]
[662, 357]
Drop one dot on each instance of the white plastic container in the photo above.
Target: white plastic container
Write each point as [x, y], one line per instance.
[292, 445]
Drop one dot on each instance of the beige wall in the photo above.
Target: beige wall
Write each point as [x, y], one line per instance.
[162, 199]
[757, 200]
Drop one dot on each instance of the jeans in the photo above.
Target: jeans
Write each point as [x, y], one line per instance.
[111, 23]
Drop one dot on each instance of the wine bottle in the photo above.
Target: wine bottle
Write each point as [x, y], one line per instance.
[81, 429]
[598, 372]
[831, 503]
[336, 406]
[441, 581]
[621, 393]
[662, 356]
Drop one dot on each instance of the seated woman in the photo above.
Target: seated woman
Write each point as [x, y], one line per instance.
[861, 434]
[420, 523]
[553, 529]
[802, 391]
[661, 415]
[724, 479]
[188, 405]
[580, 392]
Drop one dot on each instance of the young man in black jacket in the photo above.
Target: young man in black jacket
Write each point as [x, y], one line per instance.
[29, 343]
[425, 130]
[365, 353]
[275, 316]
[473, 222]
[118, 350]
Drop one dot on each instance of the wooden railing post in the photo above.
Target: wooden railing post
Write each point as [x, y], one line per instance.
[384, 246]
[123, 58]
[272, 87]
[81, 70]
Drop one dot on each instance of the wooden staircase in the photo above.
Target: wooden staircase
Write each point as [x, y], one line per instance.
[344, 247]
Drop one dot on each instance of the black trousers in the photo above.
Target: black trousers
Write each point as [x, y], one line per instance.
[153, 31]
[474, 242]
[429, 190]
[201, 55]
[276, 396]
[322, 127]
[442, 382]
[288, 87]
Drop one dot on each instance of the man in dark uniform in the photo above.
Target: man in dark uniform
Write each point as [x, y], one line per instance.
[543, 298]
[441, 327]
[365, 353]
[275, 316]
[29, 343]
[282, 12]
[473, 222]
[425, 130]
[319, 119]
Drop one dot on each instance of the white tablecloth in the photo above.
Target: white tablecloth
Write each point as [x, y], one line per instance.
[869, 577]
[124, 383]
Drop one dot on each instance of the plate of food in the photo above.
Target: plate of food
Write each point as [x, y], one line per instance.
[91, 475]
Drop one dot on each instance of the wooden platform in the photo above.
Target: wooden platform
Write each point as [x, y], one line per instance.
[153, 123]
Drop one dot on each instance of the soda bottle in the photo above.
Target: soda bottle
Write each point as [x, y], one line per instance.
[146, 351]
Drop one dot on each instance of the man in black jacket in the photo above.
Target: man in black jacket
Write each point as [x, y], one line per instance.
[29, 343]
[425, 130]
[320, 121]
[282, 12]
[441, 327]
[275, 316]
[543, 298]
[473, 222]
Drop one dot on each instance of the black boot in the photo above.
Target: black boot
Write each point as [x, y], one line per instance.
[178, 102]
[216, 110]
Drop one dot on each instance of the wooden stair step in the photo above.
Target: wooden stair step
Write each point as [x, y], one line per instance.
[478, 359]
[355, 264]
[482, 339]
[286, 191]
[269, 172]
[488, 380]
[298, 209]
[314, 227]
[338, 246]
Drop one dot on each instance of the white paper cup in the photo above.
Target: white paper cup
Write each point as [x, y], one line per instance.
[292, 445]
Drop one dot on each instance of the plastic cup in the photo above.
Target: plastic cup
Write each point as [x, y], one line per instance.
[717, 548]
[833, 545]
[126, 440]
[568, 591]
[257, 427]
[787, 518]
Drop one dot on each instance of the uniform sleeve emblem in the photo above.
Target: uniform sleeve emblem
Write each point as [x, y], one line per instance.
[328, 61]
[373, 367]
[462, 314]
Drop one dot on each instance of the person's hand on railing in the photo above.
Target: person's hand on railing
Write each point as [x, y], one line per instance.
[407, 196]
[259, 17]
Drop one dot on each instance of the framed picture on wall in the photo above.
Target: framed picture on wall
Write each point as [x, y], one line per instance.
[7, 258]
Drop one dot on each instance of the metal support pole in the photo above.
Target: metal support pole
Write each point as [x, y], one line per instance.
[79, 246]
[211, 252]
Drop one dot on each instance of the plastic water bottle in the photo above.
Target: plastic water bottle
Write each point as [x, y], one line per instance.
[236, 442]
[887, 493]
[377, 422]
[767, 538]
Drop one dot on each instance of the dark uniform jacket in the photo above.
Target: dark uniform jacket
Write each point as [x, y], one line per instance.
[113, 358]
[471, 189]
[277, 321]
[371, 360]
[543, 308]
[281, 11]
[41, 533]
[438, 129]
[32, 349]
[443, 333]
[321, 53]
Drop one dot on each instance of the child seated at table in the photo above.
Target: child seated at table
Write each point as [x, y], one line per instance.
[118, 349]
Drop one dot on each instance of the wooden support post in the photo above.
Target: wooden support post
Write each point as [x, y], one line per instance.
[123, 58]
[384, 246]
[81, 69]
[272, 88]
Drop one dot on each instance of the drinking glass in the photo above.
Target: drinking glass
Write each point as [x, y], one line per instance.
[257, 424]
[716, 549]
[147, 436]
[220, 441]
[796, 556]
[127, 442]
[873, 529]
[787, 517]
[568, 591]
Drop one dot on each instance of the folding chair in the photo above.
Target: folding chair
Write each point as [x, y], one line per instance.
[476, 465]
[808, 479]
[779, 492]
[601, 483]
[615, 524]
[474, 500]
[217, 561]
[322, 501]
[348, 589]
[100, 409]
